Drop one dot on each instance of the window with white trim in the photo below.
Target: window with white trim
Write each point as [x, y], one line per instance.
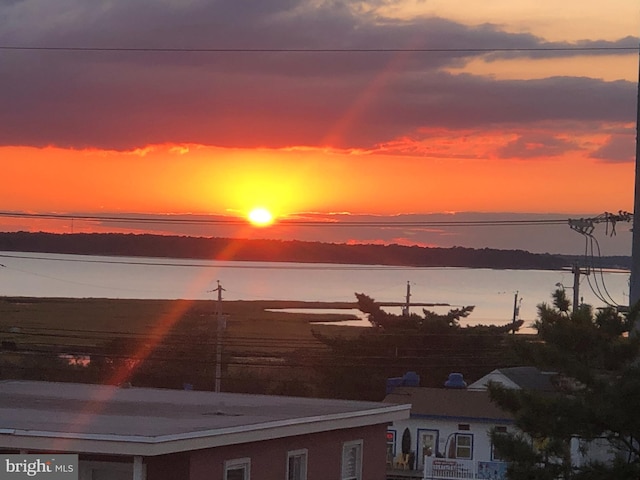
[237, 469]
[352, 460]
[464, 446]
[297, 464]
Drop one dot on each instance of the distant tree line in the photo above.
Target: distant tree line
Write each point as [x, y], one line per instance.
[147, 245]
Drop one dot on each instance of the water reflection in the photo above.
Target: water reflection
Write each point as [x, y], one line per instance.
[360, 321]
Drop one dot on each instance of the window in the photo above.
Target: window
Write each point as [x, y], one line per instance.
[464, 446]
[494, 454]
[464, 426]
[96, 470]
[391, 446]
[297, 465]
[237, 469]
[352, 460]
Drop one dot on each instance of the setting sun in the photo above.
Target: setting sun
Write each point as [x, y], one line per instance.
[260, 217]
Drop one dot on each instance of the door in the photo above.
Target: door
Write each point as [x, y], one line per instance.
[427, 445]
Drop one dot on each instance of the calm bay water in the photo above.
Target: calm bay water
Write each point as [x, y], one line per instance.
[491, 291]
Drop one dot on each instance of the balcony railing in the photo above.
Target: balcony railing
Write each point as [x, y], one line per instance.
[450, 468]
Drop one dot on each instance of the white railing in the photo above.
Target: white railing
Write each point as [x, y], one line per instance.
[454, 469]
[448, 468]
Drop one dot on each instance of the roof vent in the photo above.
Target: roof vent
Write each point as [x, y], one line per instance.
[455, 380]
[409, 379]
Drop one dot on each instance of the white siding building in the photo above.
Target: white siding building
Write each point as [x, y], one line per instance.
[449, 430]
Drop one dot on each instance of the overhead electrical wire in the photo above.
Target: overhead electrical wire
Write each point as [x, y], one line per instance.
[584, 226]
[293, 342]
[316, 50]
[593, 257]
[595, 288]
[371, 361]
[600, 290]
[219, 264]
[238, 342]
[309, 352]
[290, 222]
[253, 349]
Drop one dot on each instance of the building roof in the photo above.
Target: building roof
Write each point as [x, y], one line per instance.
[449, 404]
[71, 417]
[529, 378]
[526, 378]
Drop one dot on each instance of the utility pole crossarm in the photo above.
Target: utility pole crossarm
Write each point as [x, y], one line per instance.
[586, 226]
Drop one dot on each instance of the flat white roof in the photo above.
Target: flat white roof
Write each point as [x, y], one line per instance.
[70, 417]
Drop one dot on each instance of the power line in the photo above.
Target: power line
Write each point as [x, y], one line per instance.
[289, 222]
[214, 264]
[357, 361]
[176, 339]
[586, 227]
[292, 342]
[317, 50]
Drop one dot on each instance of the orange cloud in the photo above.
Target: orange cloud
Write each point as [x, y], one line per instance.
[450, 174]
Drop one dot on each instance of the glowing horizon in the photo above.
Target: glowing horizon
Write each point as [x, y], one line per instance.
[413, 108]
[294, 181]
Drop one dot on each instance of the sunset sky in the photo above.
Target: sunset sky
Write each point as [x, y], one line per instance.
[545, 129]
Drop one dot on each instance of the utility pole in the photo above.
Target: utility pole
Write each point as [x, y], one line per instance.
[516, 312]
[220, 329]
[634, 281]
[405, 309]
[576, 285]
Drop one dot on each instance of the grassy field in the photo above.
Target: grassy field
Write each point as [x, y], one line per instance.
[59, 322]
[260, 345]
[170, 343]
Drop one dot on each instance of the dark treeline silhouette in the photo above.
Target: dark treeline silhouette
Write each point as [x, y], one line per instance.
[147, 245]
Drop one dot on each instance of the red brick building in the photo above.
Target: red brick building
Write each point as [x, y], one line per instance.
[157, 434]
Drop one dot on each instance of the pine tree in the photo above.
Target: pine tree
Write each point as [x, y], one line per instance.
[432, 344]
[597, 379]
